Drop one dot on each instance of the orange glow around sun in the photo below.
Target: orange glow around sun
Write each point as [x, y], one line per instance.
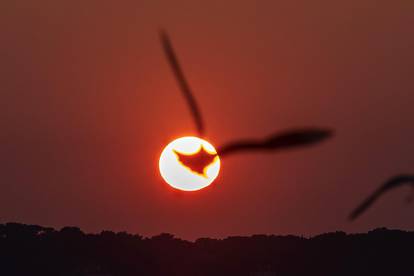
[189, 163]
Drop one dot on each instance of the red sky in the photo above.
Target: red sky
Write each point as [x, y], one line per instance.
[87, 102]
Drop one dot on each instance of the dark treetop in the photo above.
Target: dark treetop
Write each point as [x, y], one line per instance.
[36, 250]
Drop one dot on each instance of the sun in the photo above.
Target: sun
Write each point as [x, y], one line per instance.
[189, 163]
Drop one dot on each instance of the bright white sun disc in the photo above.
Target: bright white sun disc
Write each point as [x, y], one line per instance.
[189, 163]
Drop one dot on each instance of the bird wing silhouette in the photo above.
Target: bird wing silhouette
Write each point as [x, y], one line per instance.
[278, 141]
[182, 82]
[392, 183]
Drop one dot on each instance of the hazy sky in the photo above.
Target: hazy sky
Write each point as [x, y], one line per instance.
[88, 101]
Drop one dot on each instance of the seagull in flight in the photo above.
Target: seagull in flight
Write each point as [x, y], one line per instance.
[288, 139]
[391, 184]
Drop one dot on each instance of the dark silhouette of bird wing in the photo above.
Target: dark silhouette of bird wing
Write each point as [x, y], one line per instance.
[278, 141]
[392, 183]
[196, 162]
[182, 82]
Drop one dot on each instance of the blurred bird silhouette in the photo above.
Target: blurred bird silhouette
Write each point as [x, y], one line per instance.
[279, 141]
[395, 182]
[185, 88]
[198, 161]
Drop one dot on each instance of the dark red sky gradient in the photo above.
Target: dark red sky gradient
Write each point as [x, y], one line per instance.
[87, 102]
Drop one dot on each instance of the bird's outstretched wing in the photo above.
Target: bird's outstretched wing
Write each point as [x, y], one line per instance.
[278, 141]
[182, 82]
[392, 183]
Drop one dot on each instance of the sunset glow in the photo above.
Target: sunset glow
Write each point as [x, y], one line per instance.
[181, 175]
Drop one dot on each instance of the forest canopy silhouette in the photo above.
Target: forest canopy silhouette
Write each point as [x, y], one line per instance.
[36, 250]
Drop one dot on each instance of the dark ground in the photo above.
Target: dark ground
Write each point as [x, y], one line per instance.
[36, 250]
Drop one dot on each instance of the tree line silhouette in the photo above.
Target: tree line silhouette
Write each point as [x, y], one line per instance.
[36, 250]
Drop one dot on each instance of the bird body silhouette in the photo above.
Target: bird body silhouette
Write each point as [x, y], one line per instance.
[198, 161]
[395, 182]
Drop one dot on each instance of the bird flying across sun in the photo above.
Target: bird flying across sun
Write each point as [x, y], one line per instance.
[189, 163]
[395, 182]
[192, 163]
[197, 162]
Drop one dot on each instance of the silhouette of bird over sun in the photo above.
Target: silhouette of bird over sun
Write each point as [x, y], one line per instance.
[200, 160]
[395, 182]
